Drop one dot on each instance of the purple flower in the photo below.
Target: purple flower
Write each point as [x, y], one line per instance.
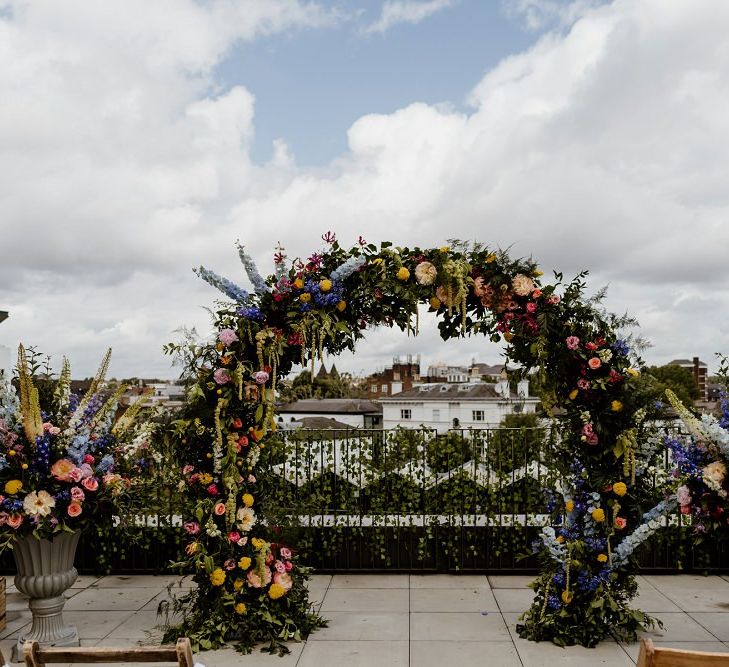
[221, 376]
[227, 337]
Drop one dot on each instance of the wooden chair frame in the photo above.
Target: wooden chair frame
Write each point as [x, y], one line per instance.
[654, 656]
[181, 653]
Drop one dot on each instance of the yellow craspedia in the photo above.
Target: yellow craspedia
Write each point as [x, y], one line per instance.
[569, 505]
[238, 584]
[299, 283]
[620, 488]
[616, 406]
[491, 258]
[217, 577]
[598, 514]
[24, 466]
[325, 285]
[248, 500]
[633, 372]
[573, 394]
[240, 608]
[276, 591]
[13, 486]
[403, 273]
[435, 303]
[244, 563]
[341, 306]
[258, 543]
[566, 597]
[305, 297]
[444, 248]
[602, 558]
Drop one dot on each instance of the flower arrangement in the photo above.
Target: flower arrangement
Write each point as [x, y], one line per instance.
[324, 304]
[701, 462]
[60, 459]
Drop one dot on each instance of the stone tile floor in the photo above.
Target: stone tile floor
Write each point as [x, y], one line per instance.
[399, 620]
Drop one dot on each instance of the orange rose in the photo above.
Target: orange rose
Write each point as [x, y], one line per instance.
[74, 509]
[594, 363]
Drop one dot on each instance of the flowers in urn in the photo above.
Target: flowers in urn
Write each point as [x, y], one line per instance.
[60, 456]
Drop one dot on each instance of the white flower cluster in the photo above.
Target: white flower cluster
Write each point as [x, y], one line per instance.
[348, 268]
[556, 550]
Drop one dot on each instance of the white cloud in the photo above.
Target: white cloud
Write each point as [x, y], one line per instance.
[395, 12]
[124, 164]
[541, 14]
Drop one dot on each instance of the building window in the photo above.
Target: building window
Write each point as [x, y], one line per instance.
[436, 415]
[477, 415]
[384, 388]
[373, 388]
[406, 414]
[396, 376]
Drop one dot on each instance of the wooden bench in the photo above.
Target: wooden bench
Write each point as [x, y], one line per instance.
[653, 656]
[181, 654]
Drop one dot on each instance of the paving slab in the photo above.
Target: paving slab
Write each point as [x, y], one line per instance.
[229, 657]
[458, 626]
[449, 581]
[136, 581]
[370, 581]
[713, 647]
[511, 581]
[546, 654]
[95, 625]
[111, 599]
[375, 599]
[452, 599]
[693, 592]
[440, 653]
[363, 626]
[651, 600]
[355, 654]
[514, 599]
[716, 623]
[679, 628]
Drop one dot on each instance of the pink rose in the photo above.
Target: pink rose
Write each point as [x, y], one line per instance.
[220, 509]
[285, 552]
[227, 337]
[188, 469]
[590, 346]
[88, 459]
[74, 509]
[685, 509]
[77, 493]
[54, 430]
[191, 527]
[531, 307]
[572, 342]
[221, 376]
[234, 537]
[90, 483]
[284, 580]
[289, 566]
[229, 564]
[212, 489]
[261, 377]
[620, 523]
[279, 566]
[594, 363]
[61, 469]
[14, 521]
[553, 299]
[75, 475]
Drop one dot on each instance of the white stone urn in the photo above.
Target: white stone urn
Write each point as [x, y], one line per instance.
[45, 571]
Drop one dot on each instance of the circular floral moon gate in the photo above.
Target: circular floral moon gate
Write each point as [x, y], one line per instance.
[251, 587]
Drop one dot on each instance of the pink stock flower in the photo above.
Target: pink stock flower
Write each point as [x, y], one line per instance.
[531, 307]
[227, 337]
[573, 342]
[188, 469]
[221, 376]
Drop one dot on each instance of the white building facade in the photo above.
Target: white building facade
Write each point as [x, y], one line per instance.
[355, 412]
[445, 406]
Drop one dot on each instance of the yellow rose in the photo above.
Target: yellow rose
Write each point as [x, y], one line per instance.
[602, 558]
[341, 306]
[633, 372]
[247, 500]
[299, 283]
[573, 394]
[258, 543]
[305, 297]
[13, 486]
[616, 406]
[566, 597]
[598, 515]
[325, 285]
[403, 273]
[491, 258]
[240, 608]
[435, 303]
[620, 489]
[217, 577]
[276, 591]
[569, 506]
[237, 585]
[244, 563]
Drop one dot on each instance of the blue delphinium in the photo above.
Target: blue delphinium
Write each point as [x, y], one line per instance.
[251, 313]
[553, 603]
[621, 348]
[228, 288]
[105, 464]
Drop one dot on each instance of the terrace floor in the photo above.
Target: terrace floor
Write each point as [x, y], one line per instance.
[394, 620]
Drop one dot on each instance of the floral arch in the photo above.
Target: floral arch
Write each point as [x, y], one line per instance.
[250, 584]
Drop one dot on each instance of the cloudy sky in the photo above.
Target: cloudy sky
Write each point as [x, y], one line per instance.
[139, 139]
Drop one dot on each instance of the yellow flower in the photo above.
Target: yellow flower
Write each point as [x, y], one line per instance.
[341, 306]
[569, 505]
[305, 297]
[205, 478]
[616, 406]
[238, 584]
[598, 515]
[244, 563]
[573, 394]
[566, 597]
[444, 248]
[633, 372]
[325, 285]
[379, 261]
[403, 273]
[247, 500]
[536, 273]
[276, 591]
[435, 303]
[620, 489]
[602, 558]
[491, 258]
[258, 543]
[299, 283]
[240, 608]
[508, 336]
[217, 577]
[560, 539]
[13, 486]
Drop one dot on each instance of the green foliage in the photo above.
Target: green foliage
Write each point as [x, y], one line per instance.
[677, 379]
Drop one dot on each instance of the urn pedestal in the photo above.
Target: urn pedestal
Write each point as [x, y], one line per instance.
[45, 571]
